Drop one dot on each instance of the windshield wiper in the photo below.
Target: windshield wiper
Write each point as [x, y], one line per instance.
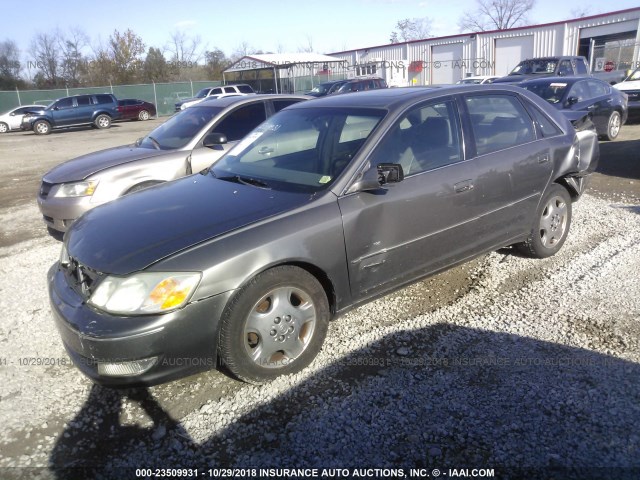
[155, 142]
[254, 182]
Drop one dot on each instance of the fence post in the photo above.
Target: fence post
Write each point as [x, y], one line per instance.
[67, 88]
[18, 93]
[191, 82]
[155, 98]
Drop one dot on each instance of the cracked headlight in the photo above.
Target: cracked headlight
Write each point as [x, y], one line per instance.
[145, 293]
[78, 189]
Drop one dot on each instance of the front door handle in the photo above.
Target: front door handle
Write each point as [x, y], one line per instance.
[463, 186]
[543, 158]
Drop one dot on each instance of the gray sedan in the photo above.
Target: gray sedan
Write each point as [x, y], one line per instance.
[176, 148]
[326, 205]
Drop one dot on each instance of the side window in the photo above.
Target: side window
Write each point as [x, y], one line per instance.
[64, 103]
[581, 66]
[280, 104]
[215, 91]
[498, 122]
[241, 121]
[565, 68]
[104, 99]
[580, 90]
[546, 127]
[229, 90]
[83, 101]
[425, 138]
[598, 89]
[245, 89]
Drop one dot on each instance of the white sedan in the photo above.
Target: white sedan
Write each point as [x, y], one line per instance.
[12, 119]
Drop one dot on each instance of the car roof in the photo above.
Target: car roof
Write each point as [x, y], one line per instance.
[569, 80]
[239, 99]
[390, 98]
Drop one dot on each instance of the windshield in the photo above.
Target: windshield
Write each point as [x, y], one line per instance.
[322, 88]
[180, 129]
[300, 149]
[635, 75]
[552, 92]
[203, 93]
[533, 67]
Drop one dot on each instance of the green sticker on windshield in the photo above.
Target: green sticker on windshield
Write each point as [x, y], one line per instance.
[324, 179]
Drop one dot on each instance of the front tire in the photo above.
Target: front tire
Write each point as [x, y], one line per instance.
[41, 127]
[143, 115]
[551, 224]
[4, 128]
[613, 126]
[103, 121]
[275, 325]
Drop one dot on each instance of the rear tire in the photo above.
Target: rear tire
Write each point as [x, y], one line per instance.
[143, 115]
[551, 224]
[103, 121]
[275, 325]
[42, 127]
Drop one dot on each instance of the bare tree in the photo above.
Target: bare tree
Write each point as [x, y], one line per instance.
[10, 65]
[496, 15]
[242, 50]
[45, 51]
[411, 29]
[581, 12]
[73, 62]
[308, 48]
[185, 49]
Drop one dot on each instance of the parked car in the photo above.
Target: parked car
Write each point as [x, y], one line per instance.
[577, 96]
[218, 92]
[547, 67]
[184, 144]
[12, 119]
[134, 109]
[98, 110]
[477, 80]
[361, 84]
[326, 88]
[326, 205]
[631, 86]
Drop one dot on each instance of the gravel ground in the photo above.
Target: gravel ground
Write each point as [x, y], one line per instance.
[528, 367]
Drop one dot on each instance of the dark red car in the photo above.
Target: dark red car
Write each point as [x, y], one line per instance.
[132, 109]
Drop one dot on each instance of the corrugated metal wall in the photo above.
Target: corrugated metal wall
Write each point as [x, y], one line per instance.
[479, 50]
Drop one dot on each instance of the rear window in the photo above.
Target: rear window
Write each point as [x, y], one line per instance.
[83, 101]
[102, 99]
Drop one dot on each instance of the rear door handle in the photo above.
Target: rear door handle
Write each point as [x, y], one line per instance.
[463, 186]
[543, 158]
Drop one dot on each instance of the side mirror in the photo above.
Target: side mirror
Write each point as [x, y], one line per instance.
[572, 101]
[373, 178]
[214, 139]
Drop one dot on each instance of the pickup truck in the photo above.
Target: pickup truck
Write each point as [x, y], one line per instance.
[564, 66]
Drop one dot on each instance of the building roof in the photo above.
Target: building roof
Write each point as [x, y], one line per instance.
[466, 34]
[279, 60]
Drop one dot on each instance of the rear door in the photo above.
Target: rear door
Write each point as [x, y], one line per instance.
[600, 103]
[513, 167]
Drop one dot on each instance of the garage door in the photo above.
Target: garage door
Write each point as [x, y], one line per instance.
[511, 51]
[444, 68]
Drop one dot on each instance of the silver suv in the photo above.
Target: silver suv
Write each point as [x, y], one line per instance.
[188, 142]
[214, 92]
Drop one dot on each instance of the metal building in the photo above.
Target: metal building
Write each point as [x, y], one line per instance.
[608, 40]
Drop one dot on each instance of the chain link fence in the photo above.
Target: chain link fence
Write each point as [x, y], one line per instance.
[163, 95]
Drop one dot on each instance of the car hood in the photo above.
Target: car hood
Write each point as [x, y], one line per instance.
[629, 85]
[137, 230]
[185, 100]
[82, 167]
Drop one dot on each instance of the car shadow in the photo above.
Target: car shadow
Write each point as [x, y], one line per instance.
[611, 154]
[443, 397]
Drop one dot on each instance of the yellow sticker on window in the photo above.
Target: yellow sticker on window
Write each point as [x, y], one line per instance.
[324, 179]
